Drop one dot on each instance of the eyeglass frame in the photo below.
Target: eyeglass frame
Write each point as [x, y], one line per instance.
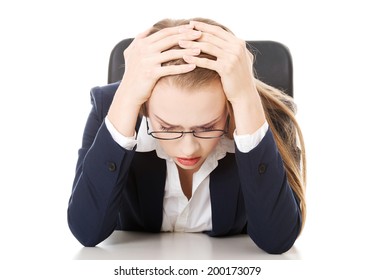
[182, 133]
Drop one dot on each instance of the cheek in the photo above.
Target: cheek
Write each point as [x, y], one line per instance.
[168, 146]
[207, 146]
[211, 145]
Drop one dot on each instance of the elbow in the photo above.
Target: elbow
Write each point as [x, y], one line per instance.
[275, 249]
[83, 237]
[88, 243]
[273, 245]
[86, 236]
[275, 242]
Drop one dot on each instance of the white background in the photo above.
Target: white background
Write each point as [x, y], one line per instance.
[53, 52]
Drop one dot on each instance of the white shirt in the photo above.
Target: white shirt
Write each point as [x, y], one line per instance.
[179, 213]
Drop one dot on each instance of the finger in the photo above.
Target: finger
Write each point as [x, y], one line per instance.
[212, 44]
[137, 38]
[212, 29]
[202, 62]
[177, 54]
[185, 27]
[161, 41]
[169, 31]
[172, 40]
[175, 69]
[207, 48]
[214, 40]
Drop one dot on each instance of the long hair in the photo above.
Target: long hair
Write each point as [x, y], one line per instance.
[279, 109]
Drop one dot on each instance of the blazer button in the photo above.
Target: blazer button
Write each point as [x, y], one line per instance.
[262, 168]
[111, 166]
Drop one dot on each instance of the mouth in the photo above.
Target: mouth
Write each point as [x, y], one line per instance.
[188, 161]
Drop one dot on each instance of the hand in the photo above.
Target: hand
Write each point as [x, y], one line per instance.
[143, 68]
[234, 64]
[145, 55]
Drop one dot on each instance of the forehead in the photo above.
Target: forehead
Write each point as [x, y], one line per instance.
[187, 106]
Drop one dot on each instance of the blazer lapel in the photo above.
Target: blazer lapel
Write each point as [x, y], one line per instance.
[228, 215]
[225, 198]
[151, 183]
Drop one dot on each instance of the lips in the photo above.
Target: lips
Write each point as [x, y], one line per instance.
[188, 161]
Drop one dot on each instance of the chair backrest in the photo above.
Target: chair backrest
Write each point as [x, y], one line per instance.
[273, 63]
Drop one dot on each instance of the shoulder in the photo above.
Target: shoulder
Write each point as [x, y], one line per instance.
[101, 97]
[98, 94]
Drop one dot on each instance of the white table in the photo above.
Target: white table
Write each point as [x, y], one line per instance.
[176, 246]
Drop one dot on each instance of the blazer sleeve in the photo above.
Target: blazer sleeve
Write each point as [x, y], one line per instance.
[101, 170]
[273, 214]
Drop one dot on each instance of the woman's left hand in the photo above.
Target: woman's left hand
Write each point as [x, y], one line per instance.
[234, 64]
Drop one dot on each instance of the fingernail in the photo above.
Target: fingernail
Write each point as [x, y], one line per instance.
[196, 51]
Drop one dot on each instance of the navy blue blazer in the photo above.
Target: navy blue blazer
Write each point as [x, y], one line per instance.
[115, 188]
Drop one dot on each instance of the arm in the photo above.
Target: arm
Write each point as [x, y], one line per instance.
[101, 171]
[273, 215]
[103, 165]
[272, 211]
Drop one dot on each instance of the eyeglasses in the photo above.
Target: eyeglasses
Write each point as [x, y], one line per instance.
[172, 135]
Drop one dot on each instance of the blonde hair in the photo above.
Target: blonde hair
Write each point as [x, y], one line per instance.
[279, 109]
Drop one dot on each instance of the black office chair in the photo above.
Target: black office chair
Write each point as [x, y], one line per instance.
[273, 63]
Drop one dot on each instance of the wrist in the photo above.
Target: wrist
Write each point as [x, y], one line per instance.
[248, 114]
[123, 114]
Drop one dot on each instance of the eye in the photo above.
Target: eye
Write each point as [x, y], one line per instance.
[165, 128]
[205, 128]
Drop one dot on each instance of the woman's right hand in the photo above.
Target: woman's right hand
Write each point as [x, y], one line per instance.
[143, 61]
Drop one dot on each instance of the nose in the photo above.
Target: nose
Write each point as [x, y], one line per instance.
[189, 145]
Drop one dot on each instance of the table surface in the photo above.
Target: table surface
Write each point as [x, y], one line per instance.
[178, 246]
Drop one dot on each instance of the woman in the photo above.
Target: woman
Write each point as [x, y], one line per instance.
[190, 141]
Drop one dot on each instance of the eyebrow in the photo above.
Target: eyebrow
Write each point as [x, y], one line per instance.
[197, 126]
